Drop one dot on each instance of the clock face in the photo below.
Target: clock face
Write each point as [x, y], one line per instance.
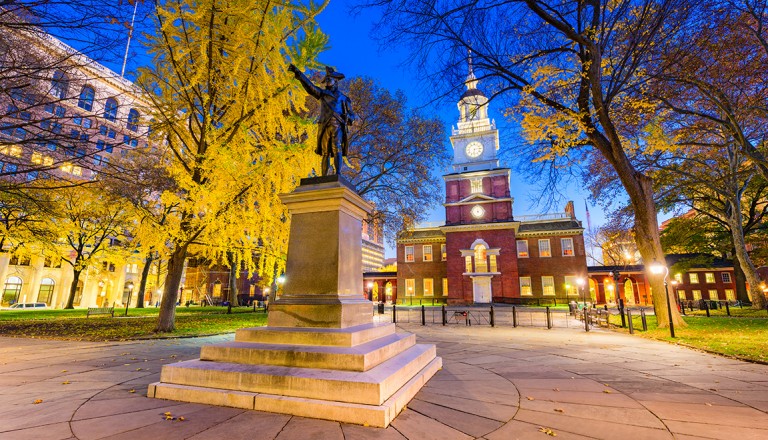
[474, 149]
[477, 211]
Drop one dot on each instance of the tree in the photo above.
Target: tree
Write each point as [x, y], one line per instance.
[574, 71]
[222, 105]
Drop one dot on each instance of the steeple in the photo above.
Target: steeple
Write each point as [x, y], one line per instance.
[471, 81]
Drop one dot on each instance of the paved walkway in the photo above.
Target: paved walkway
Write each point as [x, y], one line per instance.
[497, 383]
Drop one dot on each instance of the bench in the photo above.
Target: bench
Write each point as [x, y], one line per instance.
[101, 311]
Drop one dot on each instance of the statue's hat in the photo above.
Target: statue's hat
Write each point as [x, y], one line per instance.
[330, 73]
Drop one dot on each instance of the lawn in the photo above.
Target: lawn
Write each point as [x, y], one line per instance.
[745, 338]
[140, 323]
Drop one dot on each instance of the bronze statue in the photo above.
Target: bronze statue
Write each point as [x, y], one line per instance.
[335, 114]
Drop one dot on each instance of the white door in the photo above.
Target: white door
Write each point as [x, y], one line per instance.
[482, 289]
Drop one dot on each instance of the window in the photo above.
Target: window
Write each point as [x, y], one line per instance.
[481, 262]
[111, 134]
[494, 267]
[548, 285]
[47, 160]
[97, 159]
[709, 277]
[19, 261]
[567, 245]
[37, 158]
[713, 294]
[726, 277]
[730, 295]
[694, 277]
[445, 286]
[11, 150]
[52, 262]
[468, 264]
[681, 295]
[696, 294]
[522, 248]
[443, 252]
[544, 249]
[476, 185]
[429, 288]
[679, 277]
[100, 145]
[103, 130]
[133, 120]
[132, 268]
[427, 250]
[59, 84]
[409, 254]
[46, 291]
[410, 286]
[525, 286]
[86, 98]
[571, 288]
[11, 290]
[110, 110]
[60, 111]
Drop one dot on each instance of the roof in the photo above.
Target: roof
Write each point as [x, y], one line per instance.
[473, 92]
[549, 226]
[671, 260]
[415, 234]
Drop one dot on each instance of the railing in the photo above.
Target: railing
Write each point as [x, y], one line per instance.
[493, 316]
[543, 217]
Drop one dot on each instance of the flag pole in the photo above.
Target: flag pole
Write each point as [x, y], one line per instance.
[130, 34]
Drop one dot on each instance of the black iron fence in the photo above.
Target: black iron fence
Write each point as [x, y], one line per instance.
[511, 316]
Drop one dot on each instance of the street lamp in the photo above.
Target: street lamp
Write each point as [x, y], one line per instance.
[658, 269]
[130, 293]
[580, 282]
[370, 290]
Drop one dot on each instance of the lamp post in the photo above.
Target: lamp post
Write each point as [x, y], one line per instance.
[580, 283]
[370, 290]
[658, 269]
[280, 282]
[130, 293]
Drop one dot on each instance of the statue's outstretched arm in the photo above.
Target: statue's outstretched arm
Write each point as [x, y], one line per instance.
[305, 82]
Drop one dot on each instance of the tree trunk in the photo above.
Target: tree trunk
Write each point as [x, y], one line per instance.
[740, 281]
[73, 289]
[234, 267]
[733, 217]
[143, 282]
[166, 319]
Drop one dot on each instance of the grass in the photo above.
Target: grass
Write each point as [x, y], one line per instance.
[140, 324]
[745, 338]
[746, 312]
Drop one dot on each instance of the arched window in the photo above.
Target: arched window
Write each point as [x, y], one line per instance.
[59, 84]
[629, 292]
[481, 262]
[46, 291]
[11, 290]
[86, 98]
[133, 120]
[110, 109]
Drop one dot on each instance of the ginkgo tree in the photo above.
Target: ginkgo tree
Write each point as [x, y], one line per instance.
[224, 118]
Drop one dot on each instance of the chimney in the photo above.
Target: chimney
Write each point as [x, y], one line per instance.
[570, 210]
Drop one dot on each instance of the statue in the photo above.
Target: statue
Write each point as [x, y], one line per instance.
[335, 114]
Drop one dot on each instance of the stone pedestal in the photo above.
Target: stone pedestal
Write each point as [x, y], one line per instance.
[320, 355]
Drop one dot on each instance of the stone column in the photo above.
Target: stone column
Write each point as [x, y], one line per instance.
[324, 266]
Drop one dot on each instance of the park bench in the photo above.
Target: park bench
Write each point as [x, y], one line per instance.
[101, 311]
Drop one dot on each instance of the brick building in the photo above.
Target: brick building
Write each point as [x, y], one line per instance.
[483, 253]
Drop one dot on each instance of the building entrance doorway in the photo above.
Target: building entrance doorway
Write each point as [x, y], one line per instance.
[481, 289]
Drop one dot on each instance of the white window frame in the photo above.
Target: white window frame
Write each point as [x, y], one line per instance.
[548, 285]
[571, 287]
[409, 252]
[696, 294]
[715, 297]
[519, 253]
[726, 277]
[692, 276]
[426, 250]
[445, 286]
[708, 276]
[548, 246]
[526, 288]
[428, 291]
[443, 252]
[410, 287]
[563, 247]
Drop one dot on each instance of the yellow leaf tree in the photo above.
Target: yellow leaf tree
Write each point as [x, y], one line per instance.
[222, 115]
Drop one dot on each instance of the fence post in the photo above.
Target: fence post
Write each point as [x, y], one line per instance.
[706, 307]
[445, 318]
[645, 321]
[514, 316]
[549, 318]
[727, 308]
[631, 325]
[586, 319]
[423, 316]
[493, 324]
[394, 313]
[682, 309]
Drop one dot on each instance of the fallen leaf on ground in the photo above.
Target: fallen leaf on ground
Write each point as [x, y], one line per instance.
[559, 410]
[529, 397]
[181, 418]
[547, 431]
[131, 390]
[555, 389]
[66, 382]
[607, 391]
[38, 401]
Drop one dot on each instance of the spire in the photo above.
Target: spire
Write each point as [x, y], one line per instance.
[471, 81]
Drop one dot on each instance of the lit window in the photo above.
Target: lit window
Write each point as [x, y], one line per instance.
[681, 295]
[37, 158]
[713, 294]
[409, 254]
[445, 286]
[481, 262]
[726, 277]
[47, 160]
[571, 288]
[679, 277]
[522, 248]
[11, 150]
[427, 249]
[567, 245]
[694, 277]
[410, 287]
[133, 120]
[86, 98]
[696, 294]
[110, 109]
[548, 285]
[544, 249]
[730, 295]
[477, 185]
[429, 287]
[67, 168]
[525, 286]
[443, 252]
[709, 277]
[77, 171]
[467, 264]
[492, 262]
